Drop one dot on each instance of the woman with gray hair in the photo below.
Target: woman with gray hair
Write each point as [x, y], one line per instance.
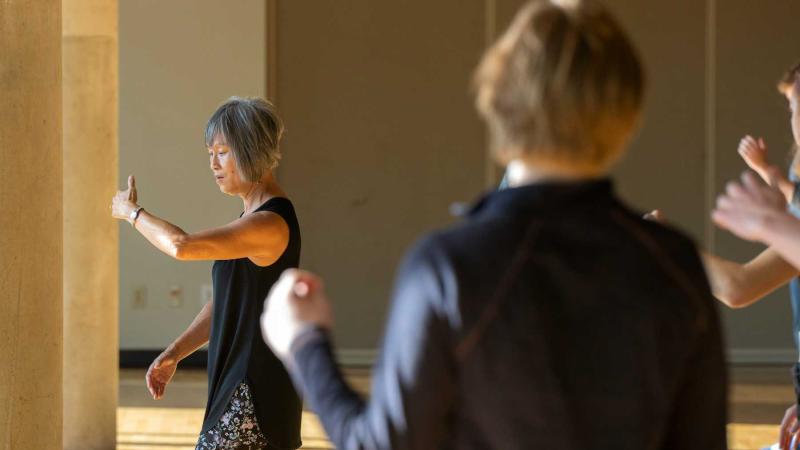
[251, 401]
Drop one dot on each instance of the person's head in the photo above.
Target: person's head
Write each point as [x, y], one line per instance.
[789, 86]
[562, 88]
[242, 138]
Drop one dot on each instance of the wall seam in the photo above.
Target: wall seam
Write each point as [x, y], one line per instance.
[711, 123]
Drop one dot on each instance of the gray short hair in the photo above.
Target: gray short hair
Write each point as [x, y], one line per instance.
[252, 129]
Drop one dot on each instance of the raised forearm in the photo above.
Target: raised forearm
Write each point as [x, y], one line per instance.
[195, 336]
[722, 278]
[768, 173]
[162, 234]
[787, 188]
[782, 233]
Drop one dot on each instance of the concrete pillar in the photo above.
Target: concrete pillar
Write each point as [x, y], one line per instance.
[91, 266]
[30, 225]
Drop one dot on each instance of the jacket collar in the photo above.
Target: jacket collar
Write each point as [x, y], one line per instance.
[545, 196]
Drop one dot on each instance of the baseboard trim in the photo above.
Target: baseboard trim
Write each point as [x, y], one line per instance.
[366, 357]
[767, 356]
[141, 358]
[357, 357]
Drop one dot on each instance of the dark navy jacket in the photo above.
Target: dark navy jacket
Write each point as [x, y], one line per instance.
[552, 318]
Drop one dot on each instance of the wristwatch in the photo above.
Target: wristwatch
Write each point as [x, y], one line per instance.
[135, 215]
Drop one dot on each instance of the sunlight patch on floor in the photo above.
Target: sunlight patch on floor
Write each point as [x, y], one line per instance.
[745, 436]
[177, 429]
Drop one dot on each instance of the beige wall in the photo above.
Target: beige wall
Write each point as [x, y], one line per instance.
[754, 48]
[178, 61]
[382, 136]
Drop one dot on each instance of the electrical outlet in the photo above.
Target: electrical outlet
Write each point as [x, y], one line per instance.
[175, 299]
[139, 299]
[206, 294]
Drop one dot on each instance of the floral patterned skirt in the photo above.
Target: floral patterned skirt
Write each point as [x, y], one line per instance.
[237, 429]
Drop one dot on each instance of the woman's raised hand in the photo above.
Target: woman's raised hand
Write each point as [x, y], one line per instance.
[159, 375]
[747, 206]
[754, 153]
[124, 202]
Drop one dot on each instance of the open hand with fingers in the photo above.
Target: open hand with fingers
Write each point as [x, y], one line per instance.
[754, 153]
[747, 207]
[125, 201]
[296, 302]
[159, 375]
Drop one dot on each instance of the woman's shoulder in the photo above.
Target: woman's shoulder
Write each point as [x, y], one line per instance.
[280, 205]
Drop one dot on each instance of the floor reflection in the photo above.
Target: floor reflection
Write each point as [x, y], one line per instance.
[759, 397]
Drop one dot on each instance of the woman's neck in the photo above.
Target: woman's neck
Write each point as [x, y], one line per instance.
[522, 172]
[260, 192]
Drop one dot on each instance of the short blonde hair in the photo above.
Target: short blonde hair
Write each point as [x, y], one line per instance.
[562, 84]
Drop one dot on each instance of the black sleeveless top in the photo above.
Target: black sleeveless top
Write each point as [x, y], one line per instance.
[236, 350]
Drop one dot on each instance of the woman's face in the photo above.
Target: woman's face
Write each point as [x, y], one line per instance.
[794, 107]
[223, 165]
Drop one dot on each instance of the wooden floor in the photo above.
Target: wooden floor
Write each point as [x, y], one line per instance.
[759, 396]
[174, 422]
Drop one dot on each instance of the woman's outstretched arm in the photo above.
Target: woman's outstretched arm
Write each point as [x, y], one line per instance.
[739, 285]
[262, 236]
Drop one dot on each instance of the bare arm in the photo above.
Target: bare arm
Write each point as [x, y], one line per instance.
[783, 233]
[740, 285]
[786, 187]
[195, 336]
[261, 236]
[754, 153]
[163, 368]
[781, 182]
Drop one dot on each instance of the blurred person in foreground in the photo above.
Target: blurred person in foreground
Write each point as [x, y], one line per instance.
[553, 316]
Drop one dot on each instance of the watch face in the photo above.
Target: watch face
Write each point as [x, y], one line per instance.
[135, 214]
